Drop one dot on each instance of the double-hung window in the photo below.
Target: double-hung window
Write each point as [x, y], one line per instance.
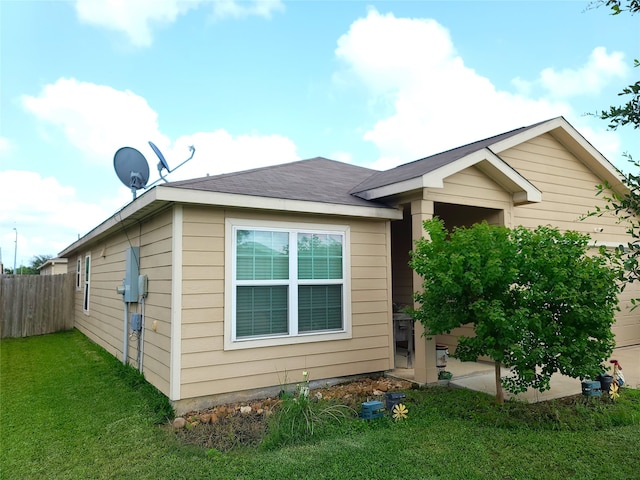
[288, 283]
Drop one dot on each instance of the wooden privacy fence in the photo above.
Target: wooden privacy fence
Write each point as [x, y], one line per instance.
[35, 304]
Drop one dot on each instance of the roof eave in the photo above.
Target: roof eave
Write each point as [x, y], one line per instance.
[161, 196]
[180, 195]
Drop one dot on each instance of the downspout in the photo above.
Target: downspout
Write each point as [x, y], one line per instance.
[141, 350]
[120, 290]
[125, 346]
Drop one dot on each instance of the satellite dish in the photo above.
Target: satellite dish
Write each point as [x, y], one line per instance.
[162, 164]
[132, 168]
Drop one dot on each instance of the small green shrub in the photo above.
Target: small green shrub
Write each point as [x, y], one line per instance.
[300, 416]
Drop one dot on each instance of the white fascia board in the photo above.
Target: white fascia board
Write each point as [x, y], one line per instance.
[183, 195]
[528, 134]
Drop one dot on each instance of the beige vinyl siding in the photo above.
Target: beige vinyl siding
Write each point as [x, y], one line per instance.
[202, 283]
[103, 324]
[568, 189]
[155, 262]
[627, 327]
[209, 370]
[105, 321]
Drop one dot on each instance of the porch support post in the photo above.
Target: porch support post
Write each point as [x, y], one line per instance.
[425, 369]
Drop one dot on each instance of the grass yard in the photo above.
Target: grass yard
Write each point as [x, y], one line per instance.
[70, 410]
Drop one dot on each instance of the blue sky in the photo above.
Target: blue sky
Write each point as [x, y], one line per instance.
[253, 83]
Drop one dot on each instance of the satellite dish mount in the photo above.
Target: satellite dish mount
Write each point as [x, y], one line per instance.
[163, 165]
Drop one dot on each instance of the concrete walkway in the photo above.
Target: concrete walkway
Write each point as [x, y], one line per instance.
[479, 376]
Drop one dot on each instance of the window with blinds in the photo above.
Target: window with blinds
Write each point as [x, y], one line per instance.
[288, 282]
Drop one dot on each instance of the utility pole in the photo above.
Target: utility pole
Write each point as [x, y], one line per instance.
[15, 252]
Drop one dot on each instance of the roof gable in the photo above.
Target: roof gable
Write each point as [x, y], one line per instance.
[431, 171]
[425, 165]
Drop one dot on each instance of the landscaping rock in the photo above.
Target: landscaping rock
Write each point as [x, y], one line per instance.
[179, 423]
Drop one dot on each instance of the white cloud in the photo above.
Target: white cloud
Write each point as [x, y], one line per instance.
[5, 146]
[221, 152]
[136, 19]
[591, 78]
[239, 8]
[433, 101]
[390, 54]
[48, 215]
[607, 142]
[96, 119]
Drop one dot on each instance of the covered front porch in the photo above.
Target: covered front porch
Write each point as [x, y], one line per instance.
[415, 355]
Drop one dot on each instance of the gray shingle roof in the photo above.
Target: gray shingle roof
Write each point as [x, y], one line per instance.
[328, 181]
[316, 180]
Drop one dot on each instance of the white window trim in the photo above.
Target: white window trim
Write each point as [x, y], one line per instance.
[86, 291]
[292, 338]
[79, 274]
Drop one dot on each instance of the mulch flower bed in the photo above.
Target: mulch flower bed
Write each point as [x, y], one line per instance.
[224, 427]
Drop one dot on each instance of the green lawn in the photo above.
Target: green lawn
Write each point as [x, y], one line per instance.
[69, 410]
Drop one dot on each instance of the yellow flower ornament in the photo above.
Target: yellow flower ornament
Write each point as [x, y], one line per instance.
[613, 391]
[399, 412]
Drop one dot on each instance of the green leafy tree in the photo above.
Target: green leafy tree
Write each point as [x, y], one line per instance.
[625, 205]
[626, 208]
[537, 302]
[629, 112]
[33, 269]
[619, 6]
[39, 260]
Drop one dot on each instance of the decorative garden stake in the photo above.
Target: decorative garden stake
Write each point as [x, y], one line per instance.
[399, 412]
[613, 391]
